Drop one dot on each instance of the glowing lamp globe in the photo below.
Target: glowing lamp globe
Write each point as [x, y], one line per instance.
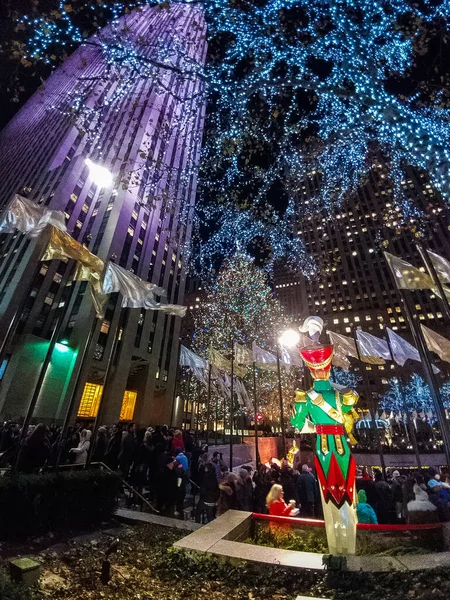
[289, 338]
[101, 176]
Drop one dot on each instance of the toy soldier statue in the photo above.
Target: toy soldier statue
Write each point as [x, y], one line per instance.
[330, 408]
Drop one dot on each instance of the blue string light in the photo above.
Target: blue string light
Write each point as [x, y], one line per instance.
[338, 56]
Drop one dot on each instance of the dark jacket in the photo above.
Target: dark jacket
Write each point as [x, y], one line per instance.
[209, 488]
[306, 488]
[244, 493]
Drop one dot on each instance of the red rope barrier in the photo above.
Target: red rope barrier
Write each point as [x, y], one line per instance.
[295, 521]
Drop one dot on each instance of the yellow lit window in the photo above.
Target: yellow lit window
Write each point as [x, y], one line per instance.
[90, 400]
[128, 404]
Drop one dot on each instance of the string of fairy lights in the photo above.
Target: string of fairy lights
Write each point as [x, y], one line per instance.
[293, 85]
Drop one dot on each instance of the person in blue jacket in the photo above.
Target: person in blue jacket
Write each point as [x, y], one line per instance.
[364, 511]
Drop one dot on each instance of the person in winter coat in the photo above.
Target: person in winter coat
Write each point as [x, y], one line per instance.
[385, 501]
[421, 510]
[35, 451]
[209, 494]
[227, 497]
[244, 491]
[263, 483]
[166, 488]
[364, 511]
[288, 482]
[177, 442]
[307, 491]
[396, 486]
[80, 453]
[276, 504]
[113, 449]
[127, 451]
[100, 445]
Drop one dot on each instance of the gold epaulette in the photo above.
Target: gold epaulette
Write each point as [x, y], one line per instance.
[349, 398]
[300, 396]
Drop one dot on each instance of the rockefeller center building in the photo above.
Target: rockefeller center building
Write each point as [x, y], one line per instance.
[354, 287]
[130, 100]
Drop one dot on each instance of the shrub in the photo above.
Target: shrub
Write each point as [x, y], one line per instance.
[13, 591]
[33, 505]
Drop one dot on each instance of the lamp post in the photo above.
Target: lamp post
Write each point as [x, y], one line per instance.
[290, 339]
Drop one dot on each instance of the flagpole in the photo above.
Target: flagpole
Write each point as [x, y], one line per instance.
[13, 324]
[372, 412]
[280, 394]
[75, 393]
[432, 271]
[107, 382]
[232, 405]
[177, 371]
[186, 401]
[255, 403]
[197, 412]
[42, 374]
[208, 400]
[410, 427]
[429, 375]
[217, 417]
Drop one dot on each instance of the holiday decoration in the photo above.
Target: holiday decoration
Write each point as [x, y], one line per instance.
[332, 413]
[294, 88]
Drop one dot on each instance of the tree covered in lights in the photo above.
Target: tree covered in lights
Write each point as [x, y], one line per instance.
[346, 378]
[417, 396]
[239, 306]
[294, 87]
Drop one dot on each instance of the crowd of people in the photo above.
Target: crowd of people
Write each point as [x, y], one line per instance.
[164, 464]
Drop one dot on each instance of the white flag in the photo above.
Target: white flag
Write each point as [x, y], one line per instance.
[441, 266]
[437, 343]
[243, 355]
[192, 360]
[371, 347]
[406, 276]
[264, 359]
[26, 216]
[137, 293]
[291, 356]
[403, 350]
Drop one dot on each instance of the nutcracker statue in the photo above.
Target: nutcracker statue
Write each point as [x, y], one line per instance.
[327, 410]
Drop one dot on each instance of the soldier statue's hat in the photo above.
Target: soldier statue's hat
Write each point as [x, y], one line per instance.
[318, 357]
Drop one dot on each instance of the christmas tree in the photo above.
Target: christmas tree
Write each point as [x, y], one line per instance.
[239, 307]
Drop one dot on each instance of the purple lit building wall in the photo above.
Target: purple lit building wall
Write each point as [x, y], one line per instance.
[144, 122]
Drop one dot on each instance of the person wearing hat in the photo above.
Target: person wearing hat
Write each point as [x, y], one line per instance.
[439, 497]
[166, 488]
[307, 491]
[397, 493]
[331, 410]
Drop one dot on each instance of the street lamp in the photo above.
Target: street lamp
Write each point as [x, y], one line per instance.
[100, 175]
[289, 338]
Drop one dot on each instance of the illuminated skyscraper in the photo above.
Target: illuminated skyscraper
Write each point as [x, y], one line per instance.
[355, 288]
[131, 100]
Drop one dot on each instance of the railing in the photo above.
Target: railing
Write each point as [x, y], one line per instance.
[298, 521]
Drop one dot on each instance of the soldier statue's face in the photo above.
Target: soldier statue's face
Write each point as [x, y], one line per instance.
[320, 374]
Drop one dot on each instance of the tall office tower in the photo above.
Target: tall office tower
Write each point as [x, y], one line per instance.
[355, 288]
[130, 99]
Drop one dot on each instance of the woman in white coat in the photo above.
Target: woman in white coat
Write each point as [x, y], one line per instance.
[81, 451]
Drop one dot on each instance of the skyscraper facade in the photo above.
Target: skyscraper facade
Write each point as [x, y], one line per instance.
[354, 287]
[132, 100]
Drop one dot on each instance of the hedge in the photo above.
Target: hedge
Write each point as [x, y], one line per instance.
[33, 505]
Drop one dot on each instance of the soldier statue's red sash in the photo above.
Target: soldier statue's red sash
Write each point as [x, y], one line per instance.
[330, 429]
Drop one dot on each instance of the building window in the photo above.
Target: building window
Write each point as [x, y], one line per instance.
[90, 400]
[128, 405]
